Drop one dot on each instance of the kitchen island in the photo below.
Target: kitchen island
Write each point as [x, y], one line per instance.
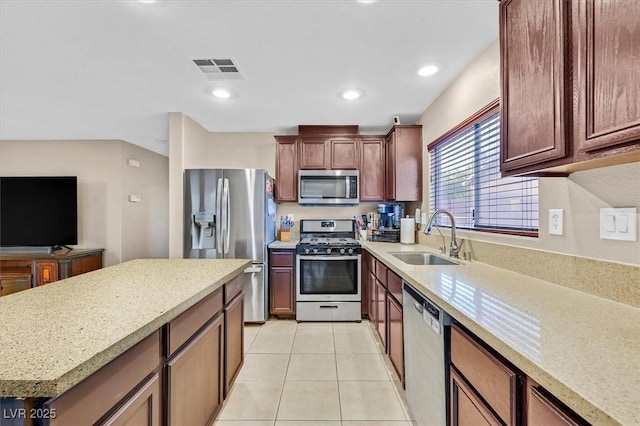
[583, 349]
[55, 337]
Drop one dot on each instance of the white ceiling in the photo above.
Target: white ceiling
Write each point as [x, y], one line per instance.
[109, 69]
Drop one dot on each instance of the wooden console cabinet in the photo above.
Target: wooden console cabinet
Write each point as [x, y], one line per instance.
[23, 270]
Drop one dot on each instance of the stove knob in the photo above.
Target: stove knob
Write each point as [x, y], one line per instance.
[341, 251]
[306, 251]
[350, 251]
[328, 251]
[315, 250]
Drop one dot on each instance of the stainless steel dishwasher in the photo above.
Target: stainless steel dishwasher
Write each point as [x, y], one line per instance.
[426, 355]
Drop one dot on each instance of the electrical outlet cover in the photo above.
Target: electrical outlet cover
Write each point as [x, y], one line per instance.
[556, 221]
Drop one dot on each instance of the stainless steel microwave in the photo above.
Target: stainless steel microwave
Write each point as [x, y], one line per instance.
[330, 187]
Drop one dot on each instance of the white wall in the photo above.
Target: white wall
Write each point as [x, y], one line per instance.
[105, 219]
[581, 195]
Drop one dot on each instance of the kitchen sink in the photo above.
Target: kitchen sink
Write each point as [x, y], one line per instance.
[422, 258]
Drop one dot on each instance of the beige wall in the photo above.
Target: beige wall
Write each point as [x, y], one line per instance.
[581, 195]
[104, 217]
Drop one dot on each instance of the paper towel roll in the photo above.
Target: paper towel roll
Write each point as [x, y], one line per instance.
[407, 230]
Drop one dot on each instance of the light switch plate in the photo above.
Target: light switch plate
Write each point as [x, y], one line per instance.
[619, 224]
[556, 221]
[134, 198]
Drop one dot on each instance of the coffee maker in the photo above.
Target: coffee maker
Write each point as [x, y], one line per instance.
[390, 215]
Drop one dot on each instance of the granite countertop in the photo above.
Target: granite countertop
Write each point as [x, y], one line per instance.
[283, 245]
[54, 336]
[582, 348]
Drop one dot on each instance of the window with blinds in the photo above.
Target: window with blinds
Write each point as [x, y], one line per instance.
[466, 180]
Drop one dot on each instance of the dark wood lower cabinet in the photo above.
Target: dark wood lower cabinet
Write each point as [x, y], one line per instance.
[467, 409]
[395, 341]
[143, 408]
[282, 283]
[234, 341]
[195, 377]
[542, 410]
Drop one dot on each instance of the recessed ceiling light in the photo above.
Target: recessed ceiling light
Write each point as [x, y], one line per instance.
[428, 70]
[351, 94]
[366, 1]
[221, 93]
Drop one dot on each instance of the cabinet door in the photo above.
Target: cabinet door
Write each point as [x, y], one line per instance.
[86, 264]
[607, 72]
[373, 296]
[394, 330]
[408, 163]
[467, 409]
[13, 283]
[534, 103]
[344, 154]
[364, 276]
[195, 376]
[372, 166]
[234, 341]
[381, 313]
[390, 169]
[143, 408]
[45, 272]
[286, 169]
[542, 411]
[313, 153]
[282, 291]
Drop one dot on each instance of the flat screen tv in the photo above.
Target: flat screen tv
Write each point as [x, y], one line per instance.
[38, 211]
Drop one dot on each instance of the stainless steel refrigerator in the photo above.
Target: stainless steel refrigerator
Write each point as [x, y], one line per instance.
[231, 214]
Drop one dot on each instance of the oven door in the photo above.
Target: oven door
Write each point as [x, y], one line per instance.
[328, 278]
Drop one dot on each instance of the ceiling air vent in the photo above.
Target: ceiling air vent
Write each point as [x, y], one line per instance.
[219, 69]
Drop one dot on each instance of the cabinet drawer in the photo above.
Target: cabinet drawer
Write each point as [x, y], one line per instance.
[282, 258]
[15, 266]
[381, 272]
[491, 378]
[13, 283]
[394, 285]
[543, 411]
[372, 263]
[188, 323]
[233, 288]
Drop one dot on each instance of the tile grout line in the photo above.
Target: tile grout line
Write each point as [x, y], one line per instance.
[335, 358]
[284, 381]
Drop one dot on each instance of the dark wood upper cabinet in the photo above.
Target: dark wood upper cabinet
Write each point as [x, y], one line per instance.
[286, 186]
[534, 106]
[313, 152]
[607, 73]
[404, 163]
[372, 167]
[570, 80]
[344, 154]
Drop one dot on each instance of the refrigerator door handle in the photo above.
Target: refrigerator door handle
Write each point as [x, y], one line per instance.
[219, 217]
[253, 269]
[227, 222]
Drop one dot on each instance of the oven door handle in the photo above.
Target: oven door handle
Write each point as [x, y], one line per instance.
[354, 257]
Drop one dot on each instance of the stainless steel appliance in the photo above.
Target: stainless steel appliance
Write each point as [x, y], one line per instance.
[328, 285]
[231, 214]
[426, 331]
[334, 187]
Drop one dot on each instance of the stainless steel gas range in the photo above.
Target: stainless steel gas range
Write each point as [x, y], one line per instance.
[328, 284]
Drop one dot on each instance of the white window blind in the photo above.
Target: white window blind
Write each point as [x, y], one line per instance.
[466, 180]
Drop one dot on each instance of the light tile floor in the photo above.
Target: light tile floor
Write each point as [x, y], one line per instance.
[314, 374]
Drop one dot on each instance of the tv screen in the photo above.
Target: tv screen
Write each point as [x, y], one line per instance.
[38, 211]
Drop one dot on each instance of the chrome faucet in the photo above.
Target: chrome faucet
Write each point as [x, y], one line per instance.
[453, 248]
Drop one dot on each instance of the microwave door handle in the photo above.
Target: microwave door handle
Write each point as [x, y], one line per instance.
[219, 217]
[347, 192]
